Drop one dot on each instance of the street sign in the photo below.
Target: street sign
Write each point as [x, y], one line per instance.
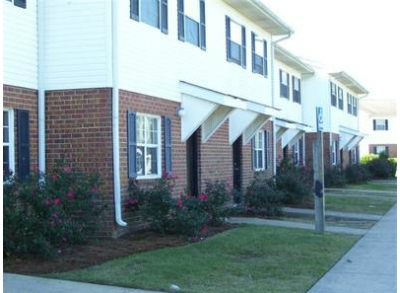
[320, 119]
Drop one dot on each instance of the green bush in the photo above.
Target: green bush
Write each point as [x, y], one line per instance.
[218, 195]
[334, 177]
[367, 158]
[48, 211]
[294, 182]
[357, 173]
[190, 216]
[262, 196]
[381, 168]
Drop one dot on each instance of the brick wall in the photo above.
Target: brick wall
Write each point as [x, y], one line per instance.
[310, 137]
[18, 98]
[79, 130]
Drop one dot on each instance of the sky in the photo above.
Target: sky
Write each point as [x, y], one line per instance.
[359, 37]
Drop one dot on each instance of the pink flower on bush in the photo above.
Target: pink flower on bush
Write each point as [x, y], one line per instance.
[56, 201]
[180, 204]
[67, 169]
[47, 202]
[54, 176]
[70, 195]
[203, 197]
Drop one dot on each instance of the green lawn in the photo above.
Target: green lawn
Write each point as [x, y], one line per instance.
[373, 186]
[353, 204]
[248, 259]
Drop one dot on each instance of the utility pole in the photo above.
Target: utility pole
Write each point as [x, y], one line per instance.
[318, 165]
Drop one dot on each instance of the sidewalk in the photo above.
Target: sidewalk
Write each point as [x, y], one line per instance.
[370, 266]
[27, 284]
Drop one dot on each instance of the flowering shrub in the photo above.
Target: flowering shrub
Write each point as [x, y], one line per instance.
[218, 194]
[190, 217]
[262, 196]
[48, 211]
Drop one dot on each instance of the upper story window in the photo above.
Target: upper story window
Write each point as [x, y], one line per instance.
[333, 94]
[340, 97]
[352, 104]
[152, 12]
[380, 124]
[19, 3]
[235, 42]
[284, 84]
[296, 89]
[192, 22]
[259, 54]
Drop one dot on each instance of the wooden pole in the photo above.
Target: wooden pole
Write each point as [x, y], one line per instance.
[318, 164]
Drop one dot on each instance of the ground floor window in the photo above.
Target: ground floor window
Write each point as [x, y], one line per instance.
[8, 141]
[258, 151]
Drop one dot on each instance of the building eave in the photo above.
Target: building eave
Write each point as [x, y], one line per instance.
[349, 82]
[291, 60]
[258, 13]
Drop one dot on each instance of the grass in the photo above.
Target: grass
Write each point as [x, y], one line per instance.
[373, 186]
[248, 259]
[355, 204]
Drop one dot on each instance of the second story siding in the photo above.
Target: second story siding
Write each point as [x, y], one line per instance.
[153, 63]
[20, 45]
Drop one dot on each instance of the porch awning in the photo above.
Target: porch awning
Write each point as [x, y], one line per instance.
[289, 131]
[349, 138]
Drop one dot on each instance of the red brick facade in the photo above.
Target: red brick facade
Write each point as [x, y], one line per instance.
[17, 98]
[392, 149]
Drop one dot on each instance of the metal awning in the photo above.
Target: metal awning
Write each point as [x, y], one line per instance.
[258, 13]
[349, 82]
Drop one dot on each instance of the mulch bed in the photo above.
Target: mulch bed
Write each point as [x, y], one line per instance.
[98, 251]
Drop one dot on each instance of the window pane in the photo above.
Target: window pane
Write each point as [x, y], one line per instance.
[284, 78]
[258, 64]
[149, 12]
[192, 9]
[151, 131]
[140, 160]
[151, 161]
[6, 138]
[140, 133]
[236, 32]
[192, 31]
[5, 118]
[259, 46]
[235, 52]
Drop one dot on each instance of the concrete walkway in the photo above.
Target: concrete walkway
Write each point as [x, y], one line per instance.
[26, 284]
[370, 266]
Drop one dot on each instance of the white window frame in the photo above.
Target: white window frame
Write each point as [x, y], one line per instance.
[10, 143]
[259, 149]
[296, 153]
[147, 145]
[334, 153]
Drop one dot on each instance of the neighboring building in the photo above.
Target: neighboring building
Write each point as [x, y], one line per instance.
[380, 126]
[290, 126]
[137, 88]
[338, 94]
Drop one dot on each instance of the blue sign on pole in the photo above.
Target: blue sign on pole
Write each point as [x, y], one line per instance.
[320, 119]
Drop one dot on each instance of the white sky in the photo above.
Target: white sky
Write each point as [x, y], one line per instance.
[359, 37]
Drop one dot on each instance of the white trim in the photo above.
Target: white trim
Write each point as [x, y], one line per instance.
[11, 140]
[145, 145]
[262, 148]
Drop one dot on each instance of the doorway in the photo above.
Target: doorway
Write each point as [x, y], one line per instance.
[237, 149]
[192, 159]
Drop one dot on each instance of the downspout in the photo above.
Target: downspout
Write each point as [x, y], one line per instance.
[115, 115]
[41, 88]
[273, 94]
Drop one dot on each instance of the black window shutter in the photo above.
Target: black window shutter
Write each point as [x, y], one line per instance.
[266, 146]
[299, 90]
[20, 3]
[168, 145]
[253, 51]
[135, 10]
[374, 124]
[23, 144]
[132, 172]
[253, 155]
[243, 47]
[293, 90]
[386, 124]
[228, 37]
[164, 16]
[265, 59]
[181, 21]
[202, 25]
[387, 150]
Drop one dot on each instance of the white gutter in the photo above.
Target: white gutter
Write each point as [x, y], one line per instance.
[273, 93]
[41, 91]
[115, 115]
